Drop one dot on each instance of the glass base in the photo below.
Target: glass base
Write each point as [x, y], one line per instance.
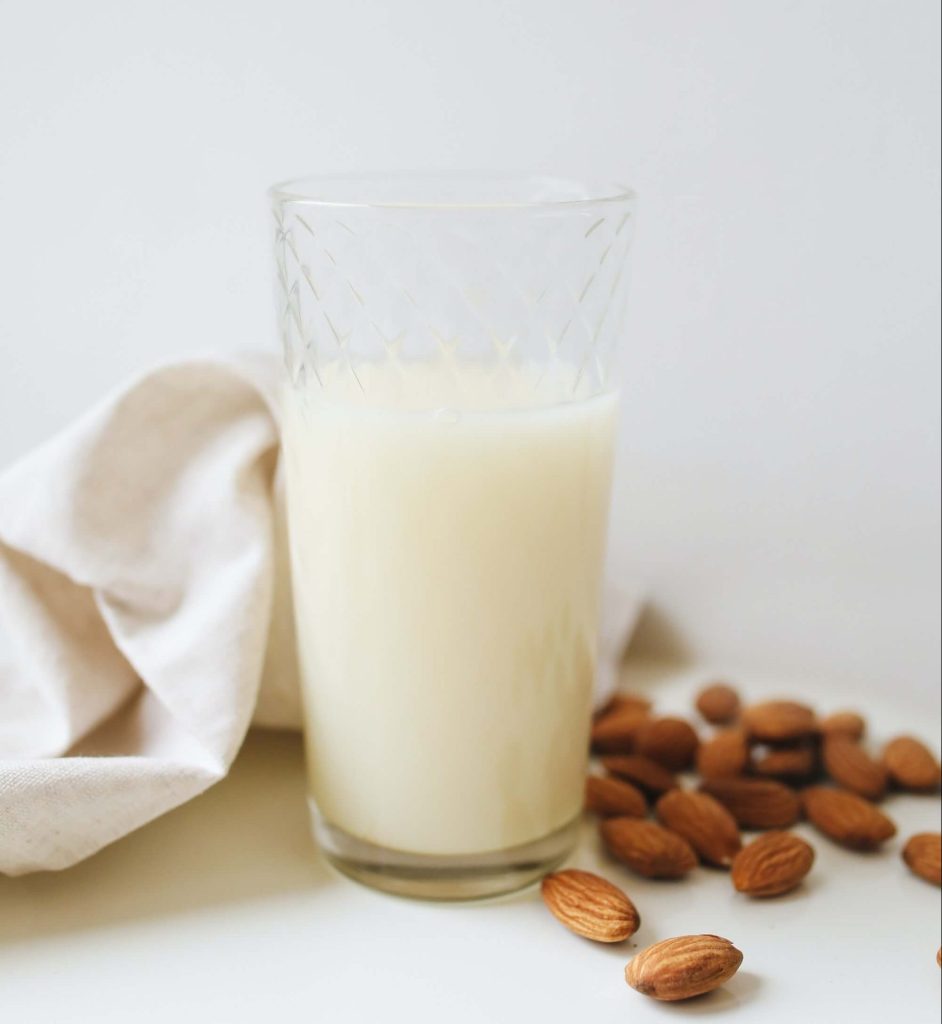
[474, 876]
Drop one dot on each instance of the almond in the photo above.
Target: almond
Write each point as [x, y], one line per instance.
[779, 721]
[850, 766]
[642, 771]
[911, 765]
[612, 797]
[718, 703]
[590, 906]
[847, 722]
[756, 803]
[671, 742]
[773, 864]
[616, 733]
[725, 754]
[847, 818]
[649, 849]
[923, 855]
[684, 967]
[704, 822]
[787, 763]
[623, 700]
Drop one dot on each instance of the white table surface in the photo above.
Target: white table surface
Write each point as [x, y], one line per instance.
[222, 911]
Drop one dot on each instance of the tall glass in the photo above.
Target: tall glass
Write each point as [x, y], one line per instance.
[449, 420]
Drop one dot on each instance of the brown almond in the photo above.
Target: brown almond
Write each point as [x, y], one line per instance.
[779, 721]
[648, 775]
[911, 764]
[724, 754]
[682, 968]
[614, 798]
[718, 703]
[923, 855]
[756, 803]
[671, 742]
[798, 763]
[649, 849]
[623, 700]
[704, 822]
[847, 818]
[850, 766]
[590, 906]
[849, 723]
[772, 865]
[616, 733]
[938, 956]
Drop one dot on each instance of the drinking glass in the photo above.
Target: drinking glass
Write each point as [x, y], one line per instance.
[449, 411]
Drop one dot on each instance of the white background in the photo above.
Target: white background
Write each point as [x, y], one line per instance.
[778, 491]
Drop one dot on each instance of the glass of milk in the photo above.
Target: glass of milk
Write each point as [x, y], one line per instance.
[449, 414]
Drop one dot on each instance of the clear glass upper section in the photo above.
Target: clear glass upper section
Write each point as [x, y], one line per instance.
[510, 289]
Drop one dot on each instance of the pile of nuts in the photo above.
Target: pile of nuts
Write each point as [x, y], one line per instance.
[765, 767]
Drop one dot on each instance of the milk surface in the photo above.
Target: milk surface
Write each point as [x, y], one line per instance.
[447, 534]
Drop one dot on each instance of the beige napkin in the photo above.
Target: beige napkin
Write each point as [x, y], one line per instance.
[145, 612]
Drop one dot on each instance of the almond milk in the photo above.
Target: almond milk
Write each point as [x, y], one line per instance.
[447, 532]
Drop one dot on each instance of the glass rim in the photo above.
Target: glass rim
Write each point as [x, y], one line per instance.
[366, 191]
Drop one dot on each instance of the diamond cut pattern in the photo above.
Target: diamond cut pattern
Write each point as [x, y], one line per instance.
[507, 286]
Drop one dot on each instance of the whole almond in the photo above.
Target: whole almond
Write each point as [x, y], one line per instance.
[725, 754]
[847, 722]
[850, 766]
[787, 762]
[614, 798]
[616, 733]
[911, 764]
[590, 906]
[648, 775]
[923, 855]
[847, 818]
[718, 703]
[671, 742]
[756, 803]
[649, 849]
[704, 822]
[682, 968]
[623, 700]
[773, 864]
[779, 721]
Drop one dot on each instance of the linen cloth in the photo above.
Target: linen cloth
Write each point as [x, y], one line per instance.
[145, 609]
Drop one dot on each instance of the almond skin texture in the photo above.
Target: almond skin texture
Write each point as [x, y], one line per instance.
[850, 766]
[772, 865]
[718, 703]
[648, 775]
[911, 765]
[779, 721]
[617, 732]
[671, 742]
[756, 803]
[724, 755]
[923, 856]
[647, 848]
[847, 818]
[799, 763]
[682, 968]
[704, 822]
[623, 701]
[590, 906]
[848, 723]
[613, 798]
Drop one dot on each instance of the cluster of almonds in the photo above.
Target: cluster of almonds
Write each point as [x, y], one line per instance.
[763, 768]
